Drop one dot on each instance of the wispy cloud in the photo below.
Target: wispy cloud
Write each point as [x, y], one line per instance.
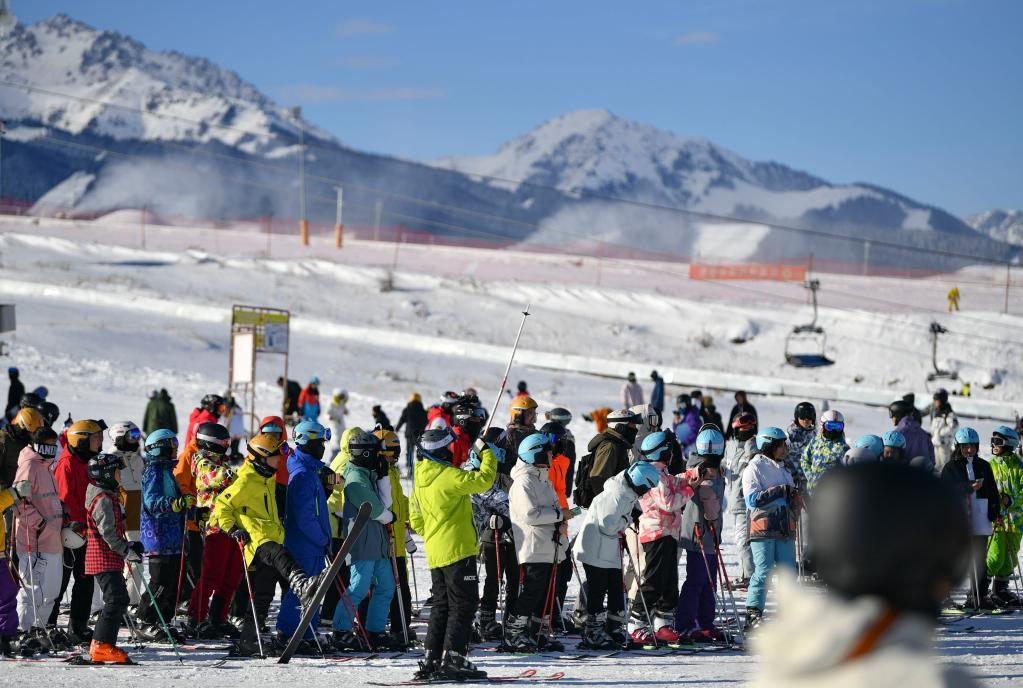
[696, 38]
[314, 93]
[367, 62]
[352, 28]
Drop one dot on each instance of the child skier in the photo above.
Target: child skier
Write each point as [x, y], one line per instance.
[221, 561]
[366, 480]
[826, 450]
[973, 478]
[247, 513]
[1003, 550]
[441, 511]
[400, 539]
[660, 527]
[490, 514]
[738, 452]
[306, 522]
[37, 535]
[538, 527]
[701, 533]
[162, 524]
[598, 547]
[773, 500]
[20, 490]
[106, 551]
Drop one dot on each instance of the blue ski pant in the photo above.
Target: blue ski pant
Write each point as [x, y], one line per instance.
[767, 553]
[367, 572]
[290, 613]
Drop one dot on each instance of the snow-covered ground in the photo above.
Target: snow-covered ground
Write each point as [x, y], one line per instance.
[101, 324]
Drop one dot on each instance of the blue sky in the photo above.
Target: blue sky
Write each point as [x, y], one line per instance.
[922, 96]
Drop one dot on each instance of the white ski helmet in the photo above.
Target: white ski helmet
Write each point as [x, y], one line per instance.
[125, 433]
[72, 540]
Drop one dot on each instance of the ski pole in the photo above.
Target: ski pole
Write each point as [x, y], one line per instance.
[397, 585]
[706, 565]
[549, 600]
[727, 583]
[507, 371]
[799, 550]
[181, 566]
[345, 599]
[252, 601]
[412, 565]
[32, 582]
[159, 614]
[501, 594]
[642, 597]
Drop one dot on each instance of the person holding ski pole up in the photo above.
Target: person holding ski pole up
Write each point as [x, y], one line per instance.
[773, 500]
[247, 512]
[441, 511]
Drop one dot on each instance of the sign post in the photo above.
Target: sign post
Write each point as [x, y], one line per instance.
[255, 330]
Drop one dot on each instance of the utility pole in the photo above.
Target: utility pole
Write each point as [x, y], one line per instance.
[1008, 277]
[3, 130]
[376, 219]
[339, 228]
[303, 221]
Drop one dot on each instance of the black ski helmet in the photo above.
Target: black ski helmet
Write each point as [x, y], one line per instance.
[101, 469]
[805, 411]
[890, 531]
[365, 449]
[899, 409]
[213, 437]
[214, 403]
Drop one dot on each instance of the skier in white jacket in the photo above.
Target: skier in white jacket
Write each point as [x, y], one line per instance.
[541, 539]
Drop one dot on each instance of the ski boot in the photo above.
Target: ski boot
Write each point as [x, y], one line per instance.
[80, 636]
[595, 637]
[489, 628]
[1003, 597]
[457, 667]
[12, 649]
[59, 639]
[305, 587]
[754, 617]
[641, 636]
[545, 641]
[428, 667]
[707, 635]
[517, 637]
[740, 583]
[107, 653]
[616, 629]
[347, 641]
[983, 605]
[28, 641]
[379, 641]
[244, 647]
[227, 629]
[208, 630]
[667, 635]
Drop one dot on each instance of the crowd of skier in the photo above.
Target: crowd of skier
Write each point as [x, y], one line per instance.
[192, 537]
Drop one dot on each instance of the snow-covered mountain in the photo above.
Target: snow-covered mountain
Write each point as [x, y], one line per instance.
[96, 122]
[595, 152]
[1000, 225]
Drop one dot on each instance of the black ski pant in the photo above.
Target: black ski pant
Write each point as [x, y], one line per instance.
[272, 565]
[406, 600]
[194, 545]
[510, 571]
[601, 583]
[455, 598]
[561, 589]
[536, 583]
[81, 591]
[163, 581]
[115, 606]
[660, 575]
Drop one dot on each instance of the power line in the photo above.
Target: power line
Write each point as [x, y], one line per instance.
[573, 194]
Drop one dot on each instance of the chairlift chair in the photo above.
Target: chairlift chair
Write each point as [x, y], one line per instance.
[806, 345]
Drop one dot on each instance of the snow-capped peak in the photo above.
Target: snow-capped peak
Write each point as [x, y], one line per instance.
[999, 224]
[183, 98]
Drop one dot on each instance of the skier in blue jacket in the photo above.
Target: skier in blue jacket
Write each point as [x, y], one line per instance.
[306, 520]
[162, 529]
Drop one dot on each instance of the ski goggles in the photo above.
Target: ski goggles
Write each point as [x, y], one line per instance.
[272, 428]
[48, 451]
[214, 440]
[1003, 442]
[134, 434]
[834, 426]
[313, 435]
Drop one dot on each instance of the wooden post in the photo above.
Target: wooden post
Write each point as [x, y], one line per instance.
[339, 227]
[303, 230]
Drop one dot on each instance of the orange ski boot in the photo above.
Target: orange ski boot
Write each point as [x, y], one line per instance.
[107, 653]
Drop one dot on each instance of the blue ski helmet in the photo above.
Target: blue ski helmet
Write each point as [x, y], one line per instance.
[655, 447]
[1004, 436]
[161, 444]
[967, 436]
[644, 475]
[710, 442]
[872, 443]
[894, 438]
[310, 431]
[769, 436]
[533, 446]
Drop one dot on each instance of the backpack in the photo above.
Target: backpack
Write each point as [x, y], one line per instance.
[582, 493]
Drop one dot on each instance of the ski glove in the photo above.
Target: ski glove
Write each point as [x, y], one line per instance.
[183, 503]
[240, 535]
[22, 489]
[410, 545]
[482, 445]
[498, 522]
[135, 551]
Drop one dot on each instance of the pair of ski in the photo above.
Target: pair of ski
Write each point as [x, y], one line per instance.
[527, 675]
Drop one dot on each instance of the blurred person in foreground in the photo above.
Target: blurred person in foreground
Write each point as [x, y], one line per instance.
[891, 545]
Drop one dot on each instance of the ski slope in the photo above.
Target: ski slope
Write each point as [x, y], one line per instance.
[101, 323]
